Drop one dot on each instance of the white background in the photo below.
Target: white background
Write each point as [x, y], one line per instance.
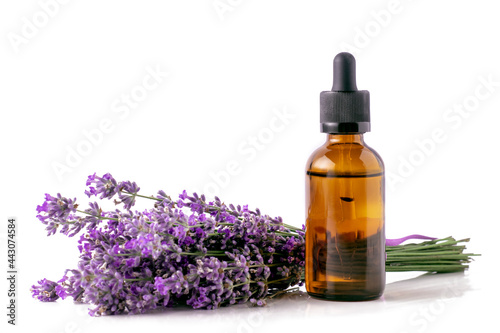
[232, 66]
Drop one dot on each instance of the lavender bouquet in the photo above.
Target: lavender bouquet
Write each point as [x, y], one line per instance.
[185, 251]
[190, 251]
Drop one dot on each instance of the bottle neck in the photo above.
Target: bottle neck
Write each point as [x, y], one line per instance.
[345, 138]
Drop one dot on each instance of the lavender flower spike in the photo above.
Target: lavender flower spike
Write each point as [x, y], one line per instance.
[106, 186]
[56, 208]
[45, 291]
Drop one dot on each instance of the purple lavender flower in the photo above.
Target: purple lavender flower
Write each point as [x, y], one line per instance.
[92, 219]
[183, 195]
[106, 186]
[45, 291]
[176, 284]
[127, 193]
[141, 298]
[150, 245]
[66, 286]
[56, 208]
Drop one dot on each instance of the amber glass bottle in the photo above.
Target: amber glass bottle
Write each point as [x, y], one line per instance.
[345, 234]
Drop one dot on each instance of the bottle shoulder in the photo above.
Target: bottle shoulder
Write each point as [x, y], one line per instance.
[345, 159]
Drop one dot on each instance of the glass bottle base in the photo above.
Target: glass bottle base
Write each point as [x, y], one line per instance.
[345, 298]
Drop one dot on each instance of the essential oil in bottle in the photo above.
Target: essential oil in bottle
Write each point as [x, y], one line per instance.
[345, 229]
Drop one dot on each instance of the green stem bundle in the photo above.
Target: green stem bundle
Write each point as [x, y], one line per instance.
[439, 255]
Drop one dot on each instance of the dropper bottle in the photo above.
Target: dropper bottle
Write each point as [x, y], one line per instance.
[345, 228]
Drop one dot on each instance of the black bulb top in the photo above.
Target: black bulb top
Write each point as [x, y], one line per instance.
[344, 72]
[344, 109]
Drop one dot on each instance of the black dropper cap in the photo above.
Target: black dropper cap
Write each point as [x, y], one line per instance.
[345, 109]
